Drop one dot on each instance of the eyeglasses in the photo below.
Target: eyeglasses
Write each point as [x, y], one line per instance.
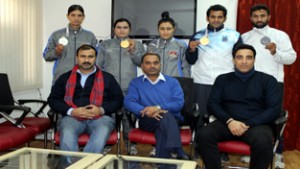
[122, 27]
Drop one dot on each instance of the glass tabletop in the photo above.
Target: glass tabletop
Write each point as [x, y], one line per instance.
[33, 158]
[135, 162]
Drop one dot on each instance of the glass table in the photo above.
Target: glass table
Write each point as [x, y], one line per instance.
[33, 158]
[135, 162]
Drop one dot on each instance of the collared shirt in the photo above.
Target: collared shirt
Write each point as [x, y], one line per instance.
[160, 77]
[82, 82]
[85, 76]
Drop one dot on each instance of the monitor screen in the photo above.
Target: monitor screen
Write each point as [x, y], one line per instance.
[145, 14]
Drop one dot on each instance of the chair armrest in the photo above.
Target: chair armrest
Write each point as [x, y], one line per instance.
[53, 117]
[119, 116]
[131, 119]
[18, 122]
[205, 118]
[279, 125]
[40, 110]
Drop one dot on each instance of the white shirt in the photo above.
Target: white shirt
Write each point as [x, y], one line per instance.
[160, 77]
[264, 60]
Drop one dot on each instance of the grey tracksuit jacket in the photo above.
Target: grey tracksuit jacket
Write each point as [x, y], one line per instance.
[119, 61]
[172, 53]
[67, 60]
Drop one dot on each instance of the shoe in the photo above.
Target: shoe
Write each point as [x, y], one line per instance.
[173, 156]
[133, 150]
[279, 163]
[197, 156]
[245, 159]
[224, 158]
[152, 152]
[183, 157]
[106, 149]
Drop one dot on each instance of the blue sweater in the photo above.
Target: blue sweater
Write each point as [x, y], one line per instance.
[167, 94]
[254, 101]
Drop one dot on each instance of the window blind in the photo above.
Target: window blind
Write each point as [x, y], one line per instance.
[21, 43]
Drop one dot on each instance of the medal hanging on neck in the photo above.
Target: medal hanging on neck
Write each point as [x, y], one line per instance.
[204, 40]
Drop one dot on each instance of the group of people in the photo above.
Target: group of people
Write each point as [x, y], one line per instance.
[91, 81]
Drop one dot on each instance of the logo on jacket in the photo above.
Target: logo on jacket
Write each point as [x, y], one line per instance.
[225, 39]
[173, 54]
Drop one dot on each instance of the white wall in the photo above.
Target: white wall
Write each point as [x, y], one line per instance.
[97, 20]
[230, 5]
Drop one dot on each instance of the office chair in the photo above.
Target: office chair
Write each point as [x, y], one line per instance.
[36, 122]
[113, 139]
[242, 148]
[14, 135]
[188, 111]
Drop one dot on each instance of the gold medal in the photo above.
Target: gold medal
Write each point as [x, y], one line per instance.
[63, 40]
[124, 44]
[204, 40]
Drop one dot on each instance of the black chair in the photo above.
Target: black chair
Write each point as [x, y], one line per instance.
[37, 122]
[187, 130]
[242, 148]
[15, 135]
[113, 139]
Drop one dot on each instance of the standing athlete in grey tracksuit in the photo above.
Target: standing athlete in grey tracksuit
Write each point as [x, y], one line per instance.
[63, 43]
[170, 49]
[120, 56]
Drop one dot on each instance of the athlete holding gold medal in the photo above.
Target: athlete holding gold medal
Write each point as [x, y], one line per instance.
[209, 53]
[120, 56]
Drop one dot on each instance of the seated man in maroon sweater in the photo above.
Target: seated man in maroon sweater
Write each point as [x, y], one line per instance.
[245, 103]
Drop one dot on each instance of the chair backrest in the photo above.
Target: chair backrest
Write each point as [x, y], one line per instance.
[187, 85]
[6, 97]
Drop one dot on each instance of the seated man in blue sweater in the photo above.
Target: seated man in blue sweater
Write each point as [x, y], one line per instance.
[244, 102]
[156, 100]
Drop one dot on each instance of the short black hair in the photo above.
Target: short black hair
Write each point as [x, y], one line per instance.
[74, 8]
[259, 7]
[86, 47]
[243, 46]
[122, 20]
[165, 17]
[216, 7]
[146, 54]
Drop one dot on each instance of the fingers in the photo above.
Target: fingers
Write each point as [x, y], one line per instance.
[157, 116]
[131, 46]
[237, 128]
[193, 45]
[271, 47]
[59, 49]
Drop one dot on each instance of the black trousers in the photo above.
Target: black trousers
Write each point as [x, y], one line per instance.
[166, 132]
[260, 139]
